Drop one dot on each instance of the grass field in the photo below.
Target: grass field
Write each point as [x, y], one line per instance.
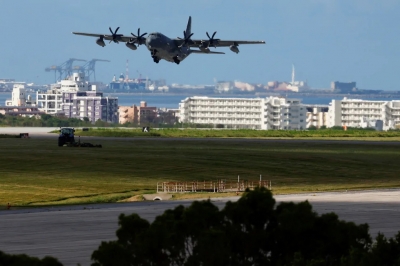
[38, 172]
[243, 133]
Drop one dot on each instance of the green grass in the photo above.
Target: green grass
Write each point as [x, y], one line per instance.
[244, 133]
[38, 172]
[9, 136]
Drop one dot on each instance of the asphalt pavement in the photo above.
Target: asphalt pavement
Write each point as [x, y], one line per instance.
[72, 233]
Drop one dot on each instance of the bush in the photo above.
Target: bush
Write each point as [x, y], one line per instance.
[24, 260]
[251, 231]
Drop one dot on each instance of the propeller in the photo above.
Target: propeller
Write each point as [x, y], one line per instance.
[211, 39]
[138, 38]
[186, 39]
[114, 35]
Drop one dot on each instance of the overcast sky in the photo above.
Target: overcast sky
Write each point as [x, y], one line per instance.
[326, 40]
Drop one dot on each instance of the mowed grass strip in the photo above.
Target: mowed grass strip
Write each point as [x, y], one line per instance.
[37, 171]
[243, 133]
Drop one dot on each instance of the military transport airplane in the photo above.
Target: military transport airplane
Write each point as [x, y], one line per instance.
[172, 50]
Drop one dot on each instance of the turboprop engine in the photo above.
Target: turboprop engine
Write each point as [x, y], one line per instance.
[131, 45]
[100, 41]
[234, 48]
[204, 47]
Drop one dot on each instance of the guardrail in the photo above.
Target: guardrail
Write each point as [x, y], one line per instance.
[212, 186]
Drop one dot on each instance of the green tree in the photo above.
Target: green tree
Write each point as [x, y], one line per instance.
[251, 231]
[24, 260]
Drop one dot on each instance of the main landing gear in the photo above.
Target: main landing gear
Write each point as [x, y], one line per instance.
[156, 59]
[176, 60]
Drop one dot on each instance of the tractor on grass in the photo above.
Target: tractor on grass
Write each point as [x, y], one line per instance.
[66, 136]
[67, 139]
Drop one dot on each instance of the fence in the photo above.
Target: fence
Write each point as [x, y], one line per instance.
[212, 186]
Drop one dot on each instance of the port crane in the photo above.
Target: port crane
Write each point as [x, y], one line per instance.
[89, 68]
[64, 70]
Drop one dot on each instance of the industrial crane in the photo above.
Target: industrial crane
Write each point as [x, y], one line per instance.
[89, 67]
[64, 70]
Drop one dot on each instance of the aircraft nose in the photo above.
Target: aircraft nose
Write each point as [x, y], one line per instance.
[150, 41]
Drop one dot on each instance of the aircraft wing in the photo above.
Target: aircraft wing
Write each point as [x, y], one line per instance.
[201, 52]
[224, 43]
[105, 36]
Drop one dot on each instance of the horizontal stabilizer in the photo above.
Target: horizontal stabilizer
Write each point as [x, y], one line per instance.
[201, 52]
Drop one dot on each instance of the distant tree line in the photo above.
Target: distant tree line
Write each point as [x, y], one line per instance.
[46, 120]
[251, 231]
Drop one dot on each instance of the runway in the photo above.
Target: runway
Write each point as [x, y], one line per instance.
[71, 233]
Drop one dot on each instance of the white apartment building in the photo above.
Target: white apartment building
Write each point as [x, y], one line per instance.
[393, 108]
[283, 113]
[76, 98]
[252, 113]
[363, 113]
[317, 115]
[19, 97]
[50, 101]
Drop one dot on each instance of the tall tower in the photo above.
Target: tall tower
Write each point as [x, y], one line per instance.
[127, 70]
[293, 74]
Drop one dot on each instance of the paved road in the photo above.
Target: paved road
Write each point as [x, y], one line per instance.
[71, 233]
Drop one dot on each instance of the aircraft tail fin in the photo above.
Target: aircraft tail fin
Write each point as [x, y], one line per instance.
[189, 27]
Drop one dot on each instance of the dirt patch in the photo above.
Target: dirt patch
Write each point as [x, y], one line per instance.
[134, 198]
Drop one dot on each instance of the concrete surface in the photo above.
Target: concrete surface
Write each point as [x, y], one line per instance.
[157, 196]
[71, 233]
[33, 131]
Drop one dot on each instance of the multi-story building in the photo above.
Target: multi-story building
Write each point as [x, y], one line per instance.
[25, 111]
[127, 114]
[393, 108]
[50, 101]
[19, 97]
[284, 113]
[317, 115]
[343, 87]
[137, 114]
[90, 104]
[252, 113]
[362, 113]
[224, 112]
[76, 98]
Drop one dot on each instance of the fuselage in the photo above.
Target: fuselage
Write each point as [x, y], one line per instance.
[165, 48]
